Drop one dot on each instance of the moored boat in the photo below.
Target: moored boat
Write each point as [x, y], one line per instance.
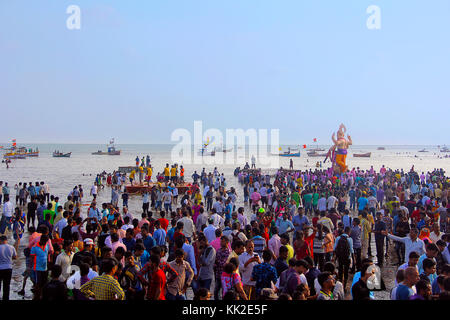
[57, 154]
[111, 150]
[362, 155]
[316, 154]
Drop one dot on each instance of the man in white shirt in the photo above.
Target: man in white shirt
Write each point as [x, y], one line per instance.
[218, 221]
[210, 231]
[331, 202]
[188, 226]
[247, 260]
[8, 210]
[322, 203]
[94, 190]
[61, 224]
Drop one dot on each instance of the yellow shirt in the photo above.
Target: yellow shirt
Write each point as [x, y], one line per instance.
[149, 172]
[132, 174]
[290, 253]
[166, 171]
[365, 228]
[141, 169]
[173, 172]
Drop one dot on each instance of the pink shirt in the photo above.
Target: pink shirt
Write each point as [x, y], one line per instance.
[216, 244]
[117, 244]
[275, 244]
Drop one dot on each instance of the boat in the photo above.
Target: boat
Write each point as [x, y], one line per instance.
[423, 150]
[204, 152]
[316, 154]
[111, 150]
[381, 148]
[14, 156]
[21, 153]
[444, 149]
[57, 154]
[362, 155]
[315, 149]
[287, 154]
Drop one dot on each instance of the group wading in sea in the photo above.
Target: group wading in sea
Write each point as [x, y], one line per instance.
[300, 235]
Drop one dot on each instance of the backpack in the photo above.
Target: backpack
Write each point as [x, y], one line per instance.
[342, 248]
[235, 237]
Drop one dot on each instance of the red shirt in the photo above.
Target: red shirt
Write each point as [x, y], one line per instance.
[164, 223]
[176, 234]
[158, 281]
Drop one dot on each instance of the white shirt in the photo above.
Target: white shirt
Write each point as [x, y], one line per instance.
[94, 189]
[434, 237]
[188, 226]
[218, 220]
[74, 281]
[60, 226]
[246, 272]
[322, 204]
[417, 245]
[8, 209]
[210, 233]
[331, 202]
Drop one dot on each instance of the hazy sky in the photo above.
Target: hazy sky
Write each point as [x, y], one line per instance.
[137, 70]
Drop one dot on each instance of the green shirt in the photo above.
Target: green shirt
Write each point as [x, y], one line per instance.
[52, 215]
[315, 199]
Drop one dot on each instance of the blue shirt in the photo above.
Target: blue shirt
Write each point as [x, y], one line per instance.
[300, 221]
[284, 225]
[149, 243]
[39, 257]
[362, 203]
[264, 274]
[404, 292]
[160, 237]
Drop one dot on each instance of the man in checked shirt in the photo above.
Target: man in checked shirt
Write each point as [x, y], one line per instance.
[104, 287]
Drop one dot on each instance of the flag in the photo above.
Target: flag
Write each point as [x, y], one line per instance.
[304, 146]
[315, 139]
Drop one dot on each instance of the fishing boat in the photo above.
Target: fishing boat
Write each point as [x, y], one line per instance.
[14, 156]
[316, 154]
[315, 149]
[381, 148]
[423, 150]
[21, 153]
[205, 152]
[444, 149]
[362, 155]
[286, 154]
[111, 150]
[57, 154]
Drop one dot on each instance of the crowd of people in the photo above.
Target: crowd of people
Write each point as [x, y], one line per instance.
[306, 235]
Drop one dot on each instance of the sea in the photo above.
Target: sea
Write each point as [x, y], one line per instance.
[62, 174]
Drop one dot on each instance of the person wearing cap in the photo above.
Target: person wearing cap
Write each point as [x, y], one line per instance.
[86, 252]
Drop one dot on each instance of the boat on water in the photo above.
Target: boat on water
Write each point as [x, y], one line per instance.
[362, 155]
[423, 150]
[316, 154]
[444, 149]
[21, 153]
[315, 149]
[381, 148]
[204, 152]
[111, 150]
[286, 154]
[57, 154]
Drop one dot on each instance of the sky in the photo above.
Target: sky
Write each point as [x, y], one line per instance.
[138, 70]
